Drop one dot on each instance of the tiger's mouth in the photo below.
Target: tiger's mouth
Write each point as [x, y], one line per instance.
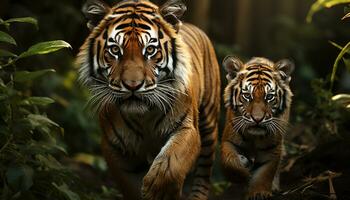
[258, 130]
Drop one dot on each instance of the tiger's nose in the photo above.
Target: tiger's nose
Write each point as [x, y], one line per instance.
[132, 85]
[133, 77]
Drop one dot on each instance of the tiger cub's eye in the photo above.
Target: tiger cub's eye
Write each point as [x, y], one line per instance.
[246, 96]
[114, 49]
[269, 97]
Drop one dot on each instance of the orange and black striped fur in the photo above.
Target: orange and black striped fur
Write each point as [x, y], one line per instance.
[155, 88]
[258, 100]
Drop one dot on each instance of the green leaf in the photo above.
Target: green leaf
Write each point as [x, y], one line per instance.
[40, 120]
[320, 4]
[346, 16]
[40, 101]
[343, 99]
[45, 48]
[23, 76]
[340, 97]
[29, 20]
[336, 63]
[49, 162]
[70, 195]
[4, 37]
[20, 178]
[4, 53]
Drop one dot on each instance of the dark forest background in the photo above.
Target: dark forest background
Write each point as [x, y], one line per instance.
[317, 145]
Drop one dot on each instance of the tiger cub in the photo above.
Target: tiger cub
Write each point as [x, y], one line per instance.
[154, 85]
[258, 100]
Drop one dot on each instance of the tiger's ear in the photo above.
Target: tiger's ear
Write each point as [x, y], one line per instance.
[232, 65]
[94, 11]
[172, 11]
[285, 68]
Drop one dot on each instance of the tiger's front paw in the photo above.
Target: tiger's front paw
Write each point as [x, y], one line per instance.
[161, 182]
[262, 195]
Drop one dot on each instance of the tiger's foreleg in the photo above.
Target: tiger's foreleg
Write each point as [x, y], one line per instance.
[167, 173]
[260, 186]
[114, 159]
[234, 165]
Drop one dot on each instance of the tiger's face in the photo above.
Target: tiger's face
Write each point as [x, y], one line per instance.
[133, 53]
[259, 94]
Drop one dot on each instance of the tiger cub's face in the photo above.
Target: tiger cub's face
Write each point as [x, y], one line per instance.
[131, 52]
[258, 93]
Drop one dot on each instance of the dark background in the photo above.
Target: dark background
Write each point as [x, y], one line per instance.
[274, 29]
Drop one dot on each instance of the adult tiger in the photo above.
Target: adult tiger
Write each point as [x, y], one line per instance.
[258, 100]
[155, 87]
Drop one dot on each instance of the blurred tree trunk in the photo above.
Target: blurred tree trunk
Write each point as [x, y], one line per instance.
[200, 13]
[287, 8]
[243, 23]
[262, 21]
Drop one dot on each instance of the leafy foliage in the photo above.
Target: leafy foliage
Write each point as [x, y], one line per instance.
[29, 139]
[317, 6]
[320, 4]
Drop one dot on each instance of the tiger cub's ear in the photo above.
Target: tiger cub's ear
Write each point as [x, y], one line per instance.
[94, 11]
[172, 11]
[285, 68]
[232, 65]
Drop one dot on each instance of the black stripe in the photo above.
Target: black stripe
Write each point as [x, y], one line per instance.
[98, 58]
[208, 143]
[122, 26]
[91, 57]
[205, 157]
[206, 131]
[268, 75]
[261, 67]
[160, 34]
[283, 98]
[144, 26]
[122, 18]
[174, 53]
[259, 79]
[196, 195]
[207, 165]
[146, 19]
[148, 12]
[235, 93]
[177, 125]
[121, 12]
[105, 35]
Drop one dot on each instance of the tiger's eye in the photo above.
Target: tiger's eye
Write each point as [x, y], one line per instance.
[150, 50]
[114, 50]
